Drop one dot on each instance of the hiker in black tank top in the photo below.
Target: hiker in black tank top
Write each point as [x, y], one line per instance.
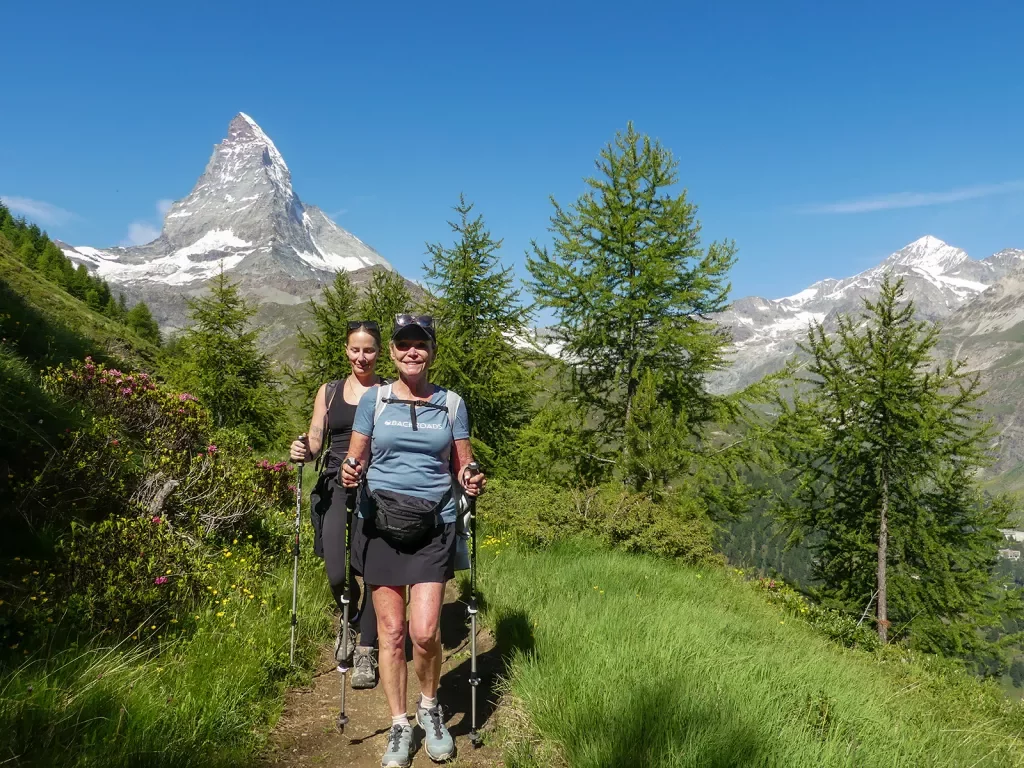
[334, 408]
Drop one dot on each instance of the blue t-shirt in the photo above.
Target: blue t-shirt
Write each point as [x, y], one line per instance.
[416, 462]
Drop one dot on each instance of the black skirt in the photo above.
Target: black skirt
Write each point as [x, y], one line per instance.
[383, 565]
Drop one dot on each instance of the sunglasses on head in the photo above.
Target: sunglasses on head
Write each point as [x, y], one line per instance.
[423, 321]
[370, 325]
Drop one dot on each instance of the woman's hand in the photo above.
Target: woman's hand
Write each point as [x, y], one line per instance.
[300, 450]
[474, 484]
[351, 470]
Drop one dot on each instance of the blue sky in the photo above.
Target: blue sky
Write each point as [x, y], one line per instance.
[819, 136]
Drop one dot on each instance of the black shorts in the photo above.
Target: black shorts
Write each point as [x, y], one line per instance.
[383, 565]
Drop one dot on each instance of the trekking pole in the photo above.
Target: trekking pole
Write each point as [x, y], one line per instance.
[295, 571]
[474, 680]
[343, 663]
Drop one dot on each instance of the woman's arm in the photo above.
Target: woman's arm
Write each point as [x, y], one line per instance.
[474, 484]
[308, 446]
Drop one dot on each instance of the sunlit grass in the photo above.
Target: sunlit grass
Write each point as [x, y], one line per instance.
[632, 661]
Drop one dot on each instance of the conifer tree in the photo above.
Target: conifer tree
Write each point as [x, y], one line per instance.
[633, 292]
[478, 313]
[386, 296]
[140, 320]
[884, 448]
[221, 363]
[325, 346]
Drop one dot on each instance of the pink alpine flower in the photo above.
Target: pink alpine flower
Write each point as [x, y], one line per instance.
[160, 580]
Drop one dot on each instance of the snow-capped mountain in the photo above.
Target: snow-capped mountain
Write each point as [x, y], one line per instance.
[938, 277]
[244, 213]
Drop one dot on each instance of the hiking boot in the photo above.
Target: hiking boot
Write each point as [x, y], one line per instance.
[351, 644]
[438, 742]
[399, 751]
[364, 667]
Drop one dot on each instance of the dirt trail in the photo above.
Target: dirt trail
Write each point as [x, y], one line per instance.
[306, 734]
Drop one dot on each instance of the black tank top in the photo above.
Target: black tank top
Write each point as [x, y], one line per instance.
[340, 416]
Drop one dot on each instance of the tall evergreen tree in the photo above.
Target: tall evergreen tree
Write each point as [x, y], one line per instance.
[325, 346]
[883, 448]
[140, 320]
[386, 296]
[221, 363]
[478, 313]
[633, 291]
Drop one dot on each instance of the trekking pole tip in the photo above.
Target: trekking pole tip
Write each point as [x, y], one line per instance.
[342, 722]
[475, 739]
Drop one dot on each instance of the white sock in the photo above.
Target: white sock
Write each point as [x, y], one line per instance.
[426, 703]
[402, 720]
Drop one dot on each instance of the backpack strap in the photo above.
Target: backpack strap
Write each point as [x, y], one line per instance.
[325, 439]
[378, 407]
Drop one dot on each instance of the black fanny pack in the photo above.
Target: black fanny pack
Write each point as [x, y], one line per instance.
[404, 521]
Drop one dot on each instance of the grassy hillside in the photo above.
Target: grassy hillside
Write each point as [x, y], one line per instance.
[45, 324]
[620, 660]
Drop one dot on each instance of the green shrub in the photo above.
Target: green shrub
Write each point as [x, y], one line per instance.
[540, 515]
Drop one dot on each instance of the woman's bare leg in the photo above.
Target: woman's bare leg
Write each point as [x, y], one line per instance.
[425, 631]
[389, 604]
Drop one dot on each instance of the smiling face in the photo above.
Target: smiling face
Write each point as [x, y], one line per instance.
[412, 356]
[362, 350]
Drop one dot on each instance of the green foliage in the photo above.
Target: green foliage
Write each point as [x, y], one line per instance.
[325, 347]
[556, 447]
[541, 515]
[386, 296]
[633, 290]
[885, 434]
[151, 505]
[477, 313]
[222, 364]
[139, 319]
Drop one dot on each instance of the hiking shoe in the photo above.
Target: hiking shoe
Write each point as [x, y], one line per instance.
[438, 742]
[364, 667]
[399, 752]
[351, 644]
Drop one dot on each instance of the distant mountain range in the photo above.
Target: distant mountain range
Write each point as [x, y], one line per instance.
[978, 303]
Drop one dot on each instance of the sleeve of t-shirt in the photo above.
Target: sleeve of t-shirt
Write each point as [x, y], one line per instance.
[460, 426]
[363, 421]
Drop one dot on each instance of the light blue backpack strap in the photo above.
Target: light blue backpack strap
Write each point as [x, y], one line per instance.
[379, 406]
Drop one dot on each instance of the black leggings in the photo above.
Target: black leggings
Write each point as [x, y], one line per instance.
[334, 559]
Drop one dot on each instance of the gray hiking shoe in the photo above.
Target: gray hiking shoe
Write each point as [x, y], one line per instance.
[438, 742]
[338, 650]
[399, 751]
[364, 667]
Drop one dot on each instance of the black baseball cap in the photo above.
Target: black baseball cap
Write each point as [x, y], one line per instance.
[414, 327]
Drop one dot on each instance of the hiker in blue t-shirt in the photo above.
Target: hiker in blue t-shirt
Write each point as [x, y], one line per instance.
[402, 435]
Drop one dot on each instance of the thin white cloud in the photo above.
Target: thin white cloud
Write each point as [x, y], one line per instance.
[337, 213]
[38, 211]
[914, 199]
[140, 233]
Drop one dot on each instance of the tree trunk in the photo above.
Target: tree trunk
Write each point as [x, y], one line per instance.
[883, 549]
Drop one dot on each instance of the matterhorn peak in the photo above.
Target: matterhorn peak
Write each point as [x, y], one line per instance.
[242, 214]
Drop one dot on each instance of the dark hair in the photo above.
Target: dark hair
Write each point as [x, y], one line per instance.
[368, 326]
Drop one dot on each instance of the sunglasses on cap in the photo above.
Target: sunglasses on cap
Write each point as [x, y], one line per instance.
[370, 325]
[425, 322]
